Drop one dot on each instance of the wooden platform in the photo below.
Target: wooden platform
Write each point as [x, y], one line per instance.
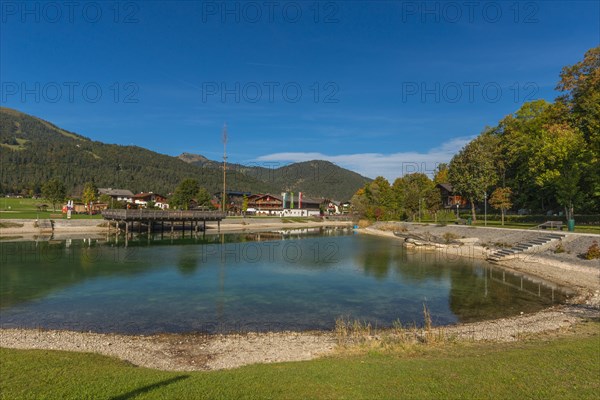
[158, 215]
[156, 218]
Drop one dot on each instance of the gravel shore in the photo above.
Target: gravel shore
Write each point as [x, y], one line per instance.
[209, 352]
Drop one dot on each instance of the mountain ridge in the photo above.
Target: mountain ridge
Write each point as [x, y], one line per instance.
[33, 150]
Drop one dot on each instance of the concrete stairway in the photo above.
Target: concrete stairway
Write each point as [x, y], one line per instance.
[528, 246]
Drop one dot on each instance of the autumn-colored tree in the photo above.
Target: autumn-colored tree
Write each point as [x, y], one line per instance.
[89, 195]
[359, 203]
[580, 84]
[379, 198]
[580, 87]
[441, 174]
[244, 204]
[474, 169]
[501, 200]
[416, 192]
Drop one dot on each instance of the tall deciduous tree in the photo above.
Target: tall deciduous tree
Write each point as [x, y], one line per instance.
[441, 174]
[379, 198]
[203, 197]
[244, 204]
[557, 163]
[416, 192]
[473, 170]
[359, 203]
[580, 85]
[184, 194]
[54, 191]
[89, 195]
[501, 200]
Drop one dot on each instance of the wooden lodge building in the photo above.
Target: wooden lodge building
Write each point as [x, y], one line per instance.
[298, 205]
[450, 199]
[142, 199]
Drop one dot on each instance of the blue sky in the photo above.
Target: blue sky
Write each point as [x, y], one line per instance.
[378, 87]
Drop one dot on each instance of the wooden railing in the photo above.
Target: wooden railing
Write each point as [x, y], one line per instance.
[159, 215]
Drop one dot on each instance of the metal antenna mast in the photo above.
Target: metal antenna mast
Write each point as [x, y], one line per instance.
[224, 165]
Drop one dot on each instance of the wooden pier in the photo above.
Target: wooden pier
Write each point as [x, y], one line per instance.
[151, 218]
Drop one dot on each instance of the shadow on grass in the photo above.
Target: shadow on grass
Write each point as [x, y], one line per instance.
[148, 388]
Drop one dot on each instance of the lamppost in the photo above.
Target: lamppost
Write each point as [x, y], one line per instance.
[485, 208]
[457, 204]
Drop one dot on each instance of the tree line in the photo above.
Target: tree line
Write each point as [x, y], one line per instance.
[544, 157]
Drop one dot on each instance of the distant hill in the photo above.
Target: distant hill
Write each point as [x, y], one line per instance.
[33, 150]
[315, 178]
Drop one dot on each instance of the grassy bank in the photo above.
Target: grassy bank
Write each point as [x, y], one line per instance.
[565, 367]
[15, 208]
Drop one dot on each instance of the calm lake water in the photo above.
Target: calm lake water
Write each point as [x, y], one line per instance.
[249, 282]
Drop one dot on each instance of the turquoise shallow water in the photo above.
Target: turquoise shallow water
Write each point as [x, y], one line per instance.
[250, 282]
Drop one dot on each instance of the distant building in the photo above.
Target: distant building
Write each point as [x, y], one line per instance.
[142, 199]
[345, 207]
[284, 206]
[265, 203]
[117, 194]
[449, 198]
[235, 200]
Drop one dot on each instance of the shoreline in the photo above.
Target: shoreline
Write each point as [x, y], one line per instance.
[98, 228]
[195, 352]
[583, 275]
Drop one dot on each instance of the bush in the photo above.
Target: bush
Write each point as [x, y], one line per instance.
[593, 252]
[559, 248]
[363, 223]
[449, 237]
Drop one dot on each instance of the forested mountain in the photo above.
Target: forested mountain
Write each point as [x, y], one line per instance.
[33, 151]
[314, 178]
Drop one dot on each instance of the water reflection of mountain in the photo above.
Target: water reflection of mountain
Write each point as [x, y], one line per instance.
[33, 270]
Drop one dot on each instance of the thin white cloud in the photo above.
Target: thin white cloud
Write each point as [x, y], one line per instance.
[390, 166]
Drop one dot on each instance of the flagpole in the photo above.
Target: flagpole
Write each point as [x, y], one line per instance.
[224, 166]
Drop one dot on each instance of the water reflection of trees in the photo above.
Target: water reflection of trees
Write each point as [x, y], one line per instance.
[379, 258]
[188, 262]
[475, 294]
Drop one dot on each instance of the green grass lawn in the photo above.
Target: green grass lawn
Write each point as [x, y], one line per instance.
[517, 225]
[14, 208]
[567, 367]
